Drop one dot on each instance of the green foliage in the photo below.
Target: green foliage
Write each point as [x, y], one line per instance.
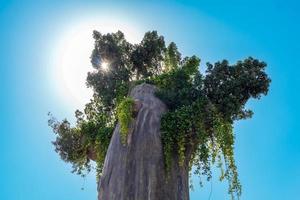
[196, 131]
[127, 62]
[147, 56]
[230, 87]
[124, 113]
[87, 141]
[89, 138]
[172, 57]
[176, 87]
[198, 128]
[69, 145]
[112, 84]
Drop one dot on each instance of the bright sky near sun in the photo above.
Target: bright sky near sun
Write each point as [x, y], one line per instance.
[71, 54]
[44, 58]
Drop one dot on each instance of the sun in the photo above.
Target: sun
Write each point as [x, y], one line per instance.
[104, 66]
[71, 60]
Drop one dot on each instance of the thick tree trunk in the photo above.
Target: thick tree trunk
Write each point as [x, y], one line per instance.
[136, 171]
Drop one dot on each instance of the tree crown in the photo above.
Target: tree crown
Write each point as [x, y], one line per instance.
[198, 126]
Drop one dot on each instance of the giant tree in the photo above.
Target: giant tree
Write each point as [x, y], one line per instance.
[154, 118]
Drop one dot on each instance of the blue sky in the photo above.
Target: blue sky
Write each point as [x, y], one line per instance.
[267, 146]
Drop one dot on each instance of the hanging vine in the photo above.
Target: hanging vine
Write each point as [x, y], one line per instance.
[124, 113]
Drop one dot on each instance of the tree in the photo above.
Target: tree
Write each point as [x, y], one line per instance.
[147, 56]
[172, 57]
[197, 128]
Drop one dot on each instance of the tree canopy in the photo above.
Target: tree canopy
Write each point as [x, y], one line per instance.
[202, 108]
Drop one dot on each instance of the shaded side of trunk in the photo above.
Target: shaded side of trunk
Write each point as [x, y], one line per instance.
[136, 171]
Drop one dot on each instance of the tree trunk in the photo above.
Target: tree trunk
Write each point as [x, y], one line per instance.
[135, 171]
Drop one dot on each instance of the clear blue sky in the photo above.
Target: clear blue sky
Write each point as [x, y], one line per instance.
[267, 146]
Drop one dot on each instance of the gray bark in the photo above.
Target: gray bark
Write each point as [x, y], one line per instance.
[135, 171]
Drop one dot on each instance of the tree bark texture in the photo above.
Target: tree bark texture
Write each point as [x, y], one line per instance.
[135, 170]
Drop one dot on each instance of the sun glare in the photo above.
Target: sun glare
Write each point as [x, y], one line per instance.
[104, 66]
[71, 57]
